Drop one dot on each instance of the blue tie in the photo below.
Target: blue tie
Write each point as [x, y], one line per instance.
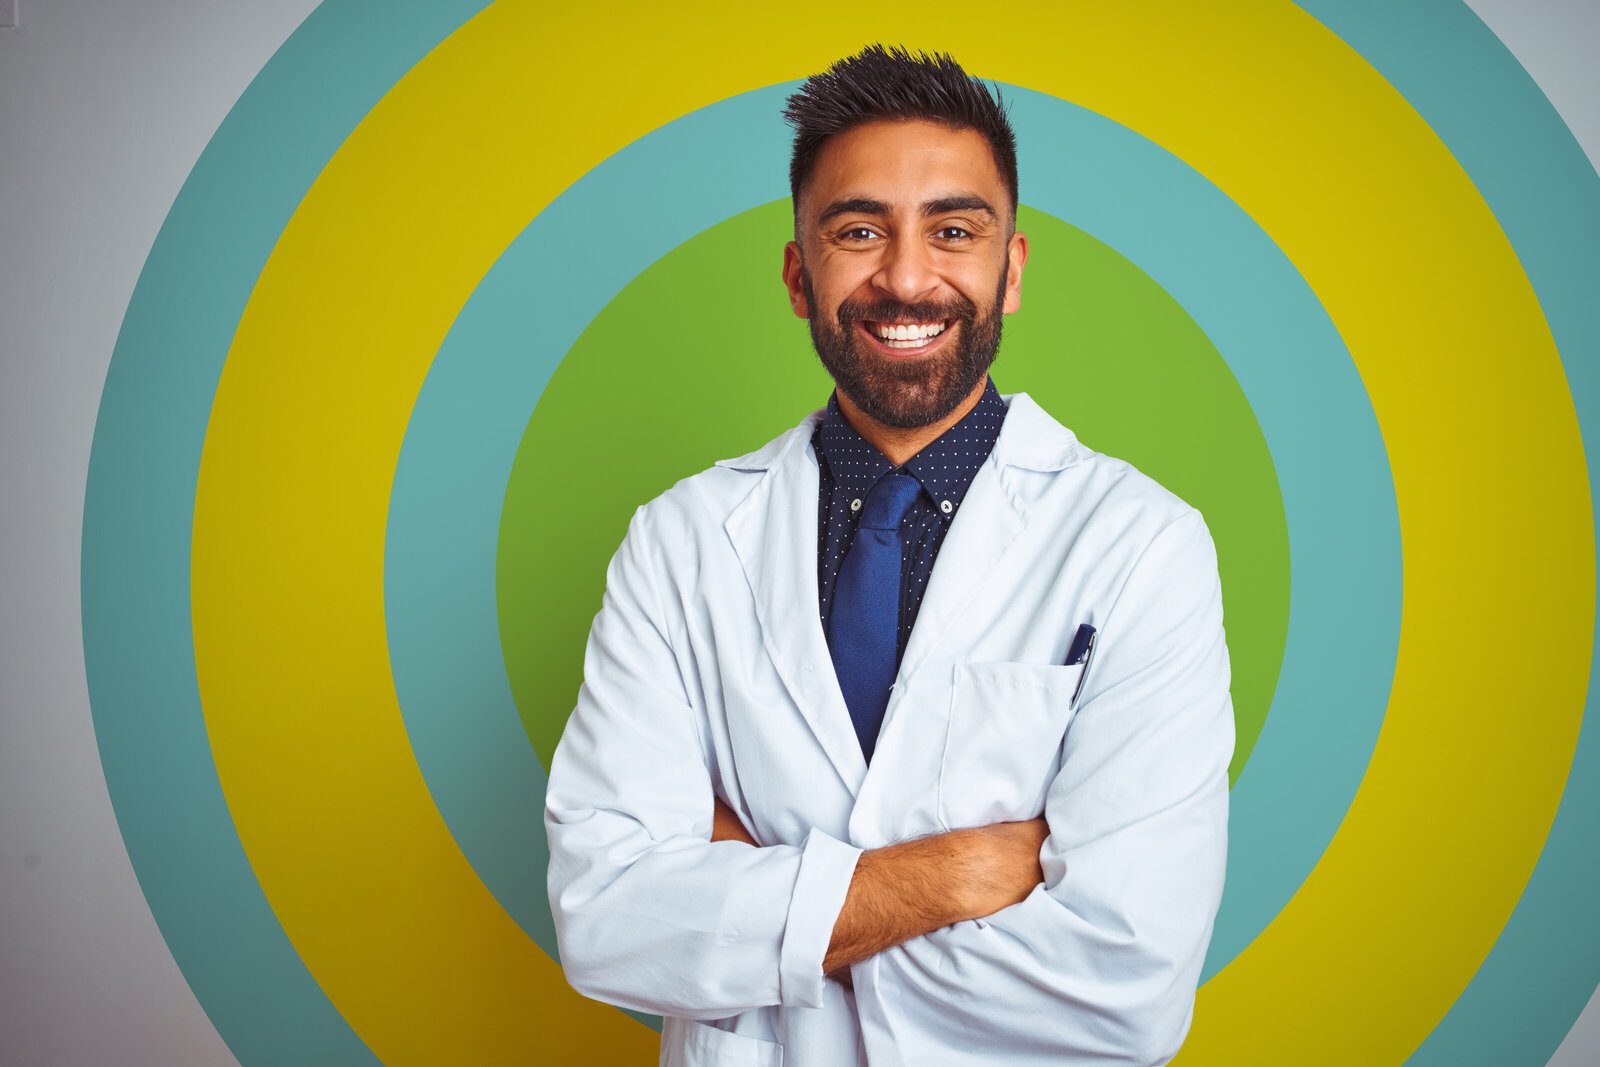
[864, 625]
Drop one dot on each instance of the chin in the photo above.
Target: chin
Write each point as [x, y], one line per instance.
[907, 403]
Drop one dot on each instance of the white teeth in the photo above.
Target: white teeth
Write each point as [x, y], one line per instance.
[910, 332]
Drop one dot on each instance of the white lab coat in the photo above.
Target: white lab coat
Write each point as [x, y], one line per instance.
[707, 672]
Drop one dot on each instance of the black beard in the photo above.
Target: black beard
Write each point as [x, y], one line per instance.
[913, 393]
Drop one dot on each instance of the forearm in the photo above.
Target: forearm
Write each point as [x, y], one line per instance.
[905, 890]
[911, 888]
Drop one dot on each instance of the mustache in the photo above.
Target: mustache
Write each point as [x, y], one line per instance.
[853, 311]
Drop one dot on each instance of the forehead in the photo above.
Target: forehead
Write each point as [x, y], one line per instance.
[900, 161]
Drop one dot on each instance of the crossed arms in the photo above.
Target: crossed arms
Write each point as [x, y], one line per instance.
[914, 887]
[1077, 937]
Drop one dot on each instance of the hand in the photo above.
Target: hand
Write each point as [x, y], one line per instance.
[725, 825]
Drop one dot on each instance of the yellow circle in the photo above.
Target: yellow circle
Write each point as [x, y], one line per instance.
[330, 355]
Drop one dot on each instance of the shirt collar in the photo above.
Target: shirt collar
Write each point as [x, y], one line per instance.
[945, 466]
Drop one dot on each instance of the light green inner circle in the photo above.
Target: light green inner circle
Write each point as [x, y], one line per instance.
[699, 358]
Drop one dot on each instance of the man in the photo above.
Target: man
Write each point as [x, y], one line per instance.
[821, 802]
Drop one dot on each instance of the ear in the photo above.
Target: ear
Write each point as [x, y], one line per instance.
[791, 278]
[1016, 259]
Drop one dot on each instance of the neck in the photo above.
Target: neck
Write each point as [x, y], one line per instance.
[899, 445]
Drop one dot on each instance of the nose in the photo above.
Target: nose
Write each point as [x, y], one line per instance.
[906, 272]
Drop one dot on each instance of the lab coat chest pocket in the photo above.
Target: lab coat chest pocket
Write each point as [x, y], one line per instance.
[1003, 744]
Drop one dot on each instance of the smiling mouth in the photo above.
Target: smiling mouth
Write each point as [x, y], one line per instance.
[905, 336]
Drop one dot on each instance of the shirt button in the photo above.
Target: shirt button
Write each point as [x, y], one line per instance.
[855, 505]
[946, 507]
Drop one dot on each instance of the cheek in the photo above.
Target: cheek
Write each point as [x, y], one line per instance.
[842, 277]
[981, 294]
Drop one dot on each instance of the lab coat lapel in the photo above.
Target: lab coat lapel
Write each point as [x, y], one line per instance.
[993, 516]
[774, 533]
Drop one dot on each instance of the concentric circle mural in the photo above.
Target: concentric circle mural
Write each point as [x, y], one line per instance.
[455, 287]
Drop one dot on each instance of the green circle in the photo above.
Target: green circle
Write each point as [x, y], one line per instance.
[699, 358]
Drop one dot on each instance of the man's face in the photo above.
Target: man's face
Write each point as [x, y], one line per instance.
[903, 266]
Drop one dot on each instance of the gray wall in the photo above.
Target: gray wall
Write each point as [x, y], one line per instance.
[104, 108]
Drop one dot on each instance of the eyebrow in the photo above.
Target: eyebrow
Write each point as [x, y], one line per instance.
[861, 205]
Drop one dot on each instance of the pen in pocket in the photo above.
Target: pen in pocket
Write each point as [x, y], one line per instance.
[1081, 651]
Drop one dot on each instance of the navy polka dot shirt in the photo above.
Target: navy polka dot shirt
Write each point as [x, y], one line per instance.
[850, 465]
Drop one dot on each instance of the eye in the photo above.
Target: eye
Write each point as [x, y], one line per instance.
[857, 233]
[952, 233]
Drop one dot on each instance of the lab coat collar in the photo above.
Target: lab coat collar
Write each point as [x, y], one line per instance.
[773, 530]
[1030, 437]
[944, 467]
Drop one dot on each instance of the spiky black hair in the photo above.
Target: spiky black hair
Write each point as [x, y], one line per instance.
[892, 83]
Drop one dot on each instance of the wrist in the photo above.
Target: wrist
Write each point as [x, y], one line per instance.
[970, 866]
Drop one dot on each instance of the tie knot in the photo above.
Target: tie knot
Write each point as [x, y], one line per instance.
[888, 501]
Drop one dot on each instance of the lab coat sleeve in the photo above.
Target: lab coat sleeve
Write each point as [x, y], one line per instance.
[1100, 963]
[649, 913]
